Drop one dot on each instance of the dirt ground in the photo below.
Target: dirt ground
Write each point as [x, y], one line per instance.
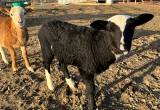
[132, 83]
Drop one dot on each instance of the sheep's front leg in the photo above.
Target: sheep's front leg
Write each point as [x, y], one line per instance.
[46, 63]
[49, 79]
[69, 81]
[3, 55]
[13, 57]
[24, 55]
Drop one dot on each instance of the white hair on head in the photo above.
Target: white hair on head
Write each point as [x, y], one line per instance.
[17, 9]
[120, 21]
[17, 14]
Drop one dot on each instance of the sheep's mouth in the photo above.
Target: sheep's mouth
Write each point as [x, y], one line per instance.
[21, 25]
[125, 52]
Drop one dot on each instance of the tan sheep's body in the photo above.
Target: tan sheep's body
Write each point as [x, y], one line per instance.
[14, 34]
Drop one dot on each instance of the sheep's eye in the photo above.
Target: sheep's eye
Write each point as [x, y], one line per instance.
[11, 14]
[25, 13]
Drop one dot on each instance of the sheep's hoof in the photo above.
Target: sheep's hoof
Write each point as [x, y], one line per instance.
[50, 85]
[31, 69]
[49, 80]
[50, 88]
[71, 84]
[15, 70]
[6, 62]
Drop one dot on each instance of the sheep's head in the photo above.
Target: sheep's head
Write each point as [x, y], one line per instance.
[122, 28]
[18, 16]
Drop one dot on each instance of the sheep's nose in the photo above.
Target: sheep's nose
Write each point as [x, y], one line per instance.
[20, 22]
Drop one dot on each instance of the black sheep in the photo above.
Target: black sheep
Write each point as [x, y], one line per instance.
[91, 50]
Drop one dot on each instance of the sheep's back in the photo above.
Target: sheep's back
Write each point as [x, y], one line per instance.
[81, 46]
[70, 43]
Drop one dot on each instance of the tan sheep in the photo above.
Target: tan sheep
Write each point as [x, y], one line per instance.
[13, 34]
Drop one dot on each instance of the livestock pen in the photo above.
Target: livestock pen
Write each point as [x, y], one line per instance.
[133, 82]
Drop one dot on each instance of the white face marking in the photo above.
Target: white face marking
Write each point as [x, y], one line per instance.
[71, 84]
[122, 43]
[49, 80]
[18, 15]
[122, 47]
[120, 21]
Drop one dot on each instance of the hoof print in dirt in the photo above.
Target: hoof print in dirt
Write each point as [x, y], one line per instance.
[62, 93]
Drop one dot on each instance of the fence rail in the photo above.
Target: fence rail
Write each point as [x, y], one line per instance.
[14, 0]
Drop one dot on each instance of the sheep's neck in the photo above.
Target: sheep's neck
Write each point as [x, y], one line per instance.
[16, 28]
[18, 33]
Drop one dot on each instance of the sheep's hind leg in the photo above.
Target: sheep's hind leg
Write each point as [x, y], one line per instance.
[24, 55]
[3, 55]
[90, 90]
[13, 57]
[69, 81]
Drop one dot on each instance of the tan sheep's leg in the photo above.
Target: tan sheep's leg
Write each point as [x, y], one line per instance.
[3, 55]
[13, 57]
[24, 55]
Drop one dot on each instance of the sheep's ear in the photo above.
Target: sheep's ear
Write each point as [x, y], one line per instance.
[141, 19]
[110, 27]
[8, 11]
[28, 10]
[99, 24]
[4, 10]
[1, 8]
